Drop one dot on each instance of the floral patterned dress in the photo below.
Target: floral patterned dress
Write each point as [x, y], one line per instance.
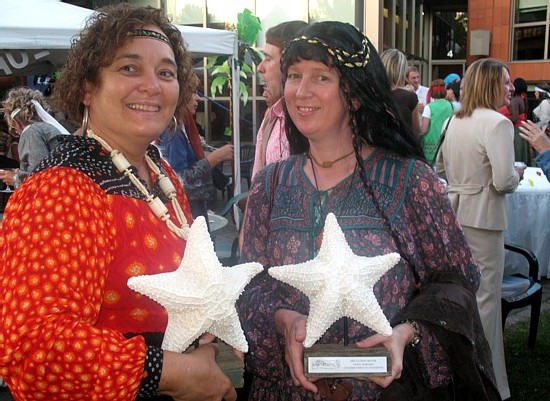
[285, 221]
[72, 235]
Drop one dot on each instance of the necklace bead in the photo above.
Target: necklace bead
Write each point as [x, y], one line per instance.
[156, 205]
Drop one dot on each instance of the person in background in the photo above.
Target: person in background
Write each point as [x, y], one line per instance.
[271, 141]
[453, 94]
[101, 208]
[517, 111]
[413, 82]
[477, 161]
[450, 78]
[434, 116]
[353, 156]
[407, 102]
[539, 141]
[542, 111]
[181, 146]
[26, 112]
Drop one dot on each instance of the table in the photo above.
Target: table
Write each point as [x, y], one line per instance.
[528, 211]
[215, 221]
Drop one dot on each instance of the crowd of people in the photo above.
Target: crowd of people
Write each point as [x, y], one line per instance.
[420, 171]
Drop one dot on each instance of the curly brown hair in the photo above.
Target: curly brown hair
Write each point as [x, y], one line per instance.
[95, 47]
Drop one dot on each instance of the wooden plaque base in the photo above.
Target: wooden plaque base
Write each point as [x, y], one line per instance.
[230, 364]
[337, 360]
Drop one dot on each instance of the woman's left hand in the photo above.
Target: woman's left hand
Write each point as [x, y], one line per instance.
[401, 336]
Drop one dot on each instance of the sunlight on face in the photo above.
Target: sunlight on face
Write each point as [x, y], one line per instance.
[314, 99]
[137, 94]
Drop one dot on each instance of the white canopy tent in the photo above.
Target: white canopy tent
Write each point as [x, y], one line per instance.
[35, 36]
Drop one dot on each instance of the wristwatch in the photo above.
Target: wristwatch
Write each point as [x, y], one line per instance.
[416, 333]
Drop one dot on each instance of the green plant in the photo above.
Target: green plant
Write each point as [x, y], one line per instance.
[247, 28]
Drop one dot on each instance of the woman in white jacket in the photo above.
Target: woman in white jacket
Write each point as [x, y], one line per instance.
[542, 111]
[477, 160]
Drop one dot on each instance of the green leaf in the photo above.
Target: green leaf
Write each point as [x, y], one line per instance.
[227, 132]
[248, 26]
[247, 69]
[244, 92]
[217, 85]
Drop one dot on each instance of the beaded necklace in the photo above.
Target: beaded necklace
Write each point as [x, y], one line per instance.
[155, 204]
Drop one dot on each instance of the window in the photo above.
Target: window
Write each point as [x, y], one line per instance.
[449, 35]
[530, 32]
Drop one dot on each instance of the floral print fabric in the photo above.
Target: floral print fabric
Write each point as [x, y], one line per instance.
[284, 226]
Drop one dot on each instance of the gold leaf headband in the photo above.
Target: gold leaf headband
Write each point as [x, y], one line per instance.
[147, 33]
[357, 60]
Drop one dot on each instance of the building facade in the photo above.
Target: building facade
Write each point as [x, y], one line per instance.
[438, 36]
[518, 34]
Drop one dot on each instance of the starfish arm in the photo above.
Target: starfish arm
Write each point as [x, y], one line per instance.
[182, 330]
[300, 276]
[230, 331]
[324, 310]
[363, 306]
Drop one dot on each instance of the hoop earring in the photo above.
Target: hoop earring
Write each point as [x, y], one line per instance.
[175, 121]
[85, 121]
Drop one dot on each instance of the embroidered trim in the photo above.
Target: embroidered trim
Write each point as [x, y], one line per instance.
[147, 33]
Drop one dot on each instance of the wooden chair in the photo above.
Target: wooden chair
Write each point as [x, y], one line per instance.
[520, 291]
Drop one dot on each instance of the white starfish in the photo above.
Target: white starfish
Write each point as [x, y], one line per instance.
[200, 295]
[338, 283]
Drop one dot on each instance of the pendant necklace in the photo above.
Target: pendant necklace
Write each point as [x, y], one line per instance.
[155, 203]
[328, 164]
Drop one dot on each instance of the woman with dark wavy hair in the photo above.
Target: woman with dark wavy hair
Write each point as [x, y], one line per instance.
[102, 208]
[355, 158]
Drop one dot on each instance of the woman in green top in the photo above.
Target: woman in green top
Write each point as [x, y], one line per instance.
[434, 116]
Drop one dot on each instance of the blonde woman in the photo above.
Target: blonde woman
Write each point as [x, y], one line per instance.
[25, 112]
[406, 101]
[477, 160]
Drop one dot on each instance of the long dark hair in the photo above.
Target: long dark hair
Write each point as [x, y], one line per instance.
[363, 80]
[374, 117]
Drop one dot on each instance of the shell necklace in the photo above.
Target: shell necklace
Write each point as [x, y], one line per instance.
[155, 204]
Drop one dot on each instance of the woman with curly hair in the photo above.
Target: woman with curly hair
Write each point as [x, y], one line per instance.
[103, 207]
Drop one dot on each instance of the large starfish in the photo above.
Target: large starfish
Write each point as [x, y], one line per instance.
[200, 295]
[338, 283]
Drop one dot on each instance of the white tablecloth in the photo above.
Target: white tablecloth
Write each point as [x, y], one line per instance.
[528, 212]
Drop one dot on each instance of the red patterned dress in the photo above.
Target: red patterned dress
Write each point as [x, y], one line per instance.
[72, 235]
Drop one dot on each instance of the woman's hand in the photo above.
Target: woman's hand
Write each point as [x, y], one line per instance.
[195, 376]
[401, 336]
[536, 137]
[292, 325]
[8, 176]
[220, 155]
